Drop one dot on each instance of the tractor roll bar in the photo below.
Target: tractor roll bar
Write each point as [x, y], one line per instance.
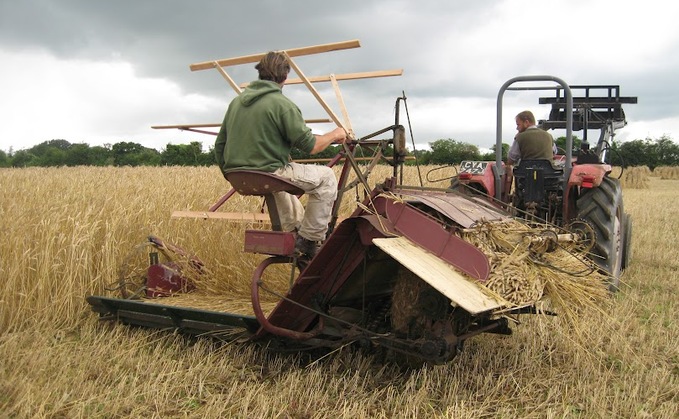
[498, 133]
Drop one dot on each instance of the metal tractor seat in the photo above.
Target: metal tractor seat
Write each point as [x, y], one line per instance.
[256, 183]
[536, 177]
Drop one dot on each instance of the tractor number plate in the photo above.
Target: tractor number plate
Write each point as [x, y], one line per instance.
[473, 167]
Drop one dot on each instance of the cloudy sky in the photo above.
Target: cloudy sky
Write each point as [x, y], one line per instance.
[99, 72]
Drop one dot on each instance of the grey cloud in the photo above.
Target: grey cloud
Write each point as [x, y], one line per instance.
[430, 40]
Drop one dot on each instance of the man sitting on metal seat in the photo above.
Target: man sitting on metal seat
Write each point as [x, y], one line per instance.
[537, 178]
[260, 128]
[531, 142]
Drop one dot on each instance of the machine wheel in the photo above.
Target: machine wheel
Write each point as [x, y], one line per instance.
[626, 241]
[602, 209]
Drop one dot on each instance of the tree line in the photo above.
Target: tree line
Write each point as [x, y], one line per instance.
[63, 153]
[648, 152]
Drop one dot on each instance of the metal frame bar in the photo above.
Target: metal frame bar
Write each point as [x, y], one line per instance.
[498, 133]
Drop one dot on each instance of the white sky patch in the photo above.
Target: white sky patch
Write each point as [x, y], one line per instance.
[470, 120]
[575, 40]
[92, 102]
[640, 130]
[456, 117]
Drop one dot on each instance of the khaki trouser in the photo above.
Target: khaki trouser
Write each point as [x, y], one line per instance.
[320, 184]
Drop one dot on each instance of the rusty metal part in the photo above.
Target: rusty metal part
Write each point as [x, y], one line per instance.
[259, 314]
[459, 209]
[430, 234]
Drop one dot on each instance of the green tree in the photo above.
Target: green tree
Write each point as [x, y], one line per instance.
[100, 156]
[491, 156]
[52, 157]
[23, 158]
[182, 154]
[452, 152]
[648, 152]
[78, 155]
[423, 157]
[328, 153]
[49, 153]
[4, 159]
[561, 143]
[633, 153]
[207, 159]
[133, 154]
[51, 144]
[666, 152]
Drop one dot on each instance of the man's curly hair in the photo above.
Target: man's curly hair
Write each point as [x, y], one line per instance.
[274, 67]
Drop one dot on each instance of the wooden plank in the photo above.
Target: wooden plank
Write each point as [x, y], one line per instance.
[228, 78]
[233, 216]
[217, 125]
[185, 126]
[315, 93]
[318, 121]
[439, 274]
[343, 107]
[245, 217]
[294, 52]
[346, 76]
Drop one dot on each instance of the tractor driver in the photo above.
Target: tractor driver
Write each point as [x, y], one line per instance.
[531, 142]
[260, 127]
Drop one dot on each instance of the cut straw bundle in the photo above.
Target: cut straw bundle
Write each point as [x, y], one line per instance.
[524, 273]
[635, 178]
[667, 172]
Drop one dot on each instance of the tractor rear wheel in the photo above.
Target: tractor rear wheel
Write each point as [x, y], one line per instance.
[602, 209]
[626, 241]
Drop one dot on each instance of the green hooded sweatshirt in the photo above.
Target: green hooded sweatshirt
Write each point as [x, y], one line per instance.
[260, 128]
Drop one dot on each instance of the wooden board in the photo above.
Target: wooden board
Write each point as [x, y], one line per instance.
[346, 76]
[439, 274]
[186, 126]
[218, 124]
[294, 52]
[233, 216]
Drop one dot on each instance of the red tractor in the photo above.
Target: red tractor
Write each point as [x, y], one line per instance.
[574, 192]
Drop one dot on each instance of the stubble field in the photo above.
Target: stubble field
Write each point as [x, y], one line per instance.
[65, 232]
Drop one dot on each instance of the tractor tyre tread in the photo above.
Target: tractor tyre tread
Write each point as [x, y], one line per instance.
[627, 228]
[599, 207]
